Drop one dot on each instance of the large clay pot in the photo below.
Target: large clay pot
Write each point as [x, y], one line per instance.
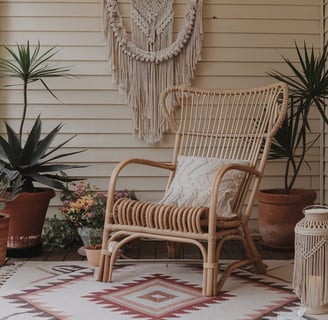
[4, 226]
[27, 214]
[278, 214]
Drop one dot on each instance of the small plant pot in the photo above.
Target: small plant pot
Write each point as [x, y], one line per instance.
[93, 254]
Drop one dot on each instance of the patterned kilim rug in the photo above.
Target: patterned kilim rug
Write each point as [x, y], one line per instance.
[68, 290]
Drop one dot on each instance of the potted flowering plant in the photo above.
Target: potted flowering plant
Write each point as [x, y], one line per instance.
[84, 207]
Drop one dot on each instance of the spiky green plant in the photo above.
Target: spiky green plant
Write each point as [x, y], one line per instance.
[33, 158]
[9, 179]
[308, 88]
[28, 66]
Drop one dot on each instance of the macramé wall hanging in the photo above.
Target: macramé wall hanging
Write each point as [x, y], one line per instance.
[150, 60]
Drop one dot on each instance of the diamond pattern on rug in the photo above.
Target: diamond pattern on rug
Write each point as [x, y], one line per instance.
[156, 296]
[68, 291]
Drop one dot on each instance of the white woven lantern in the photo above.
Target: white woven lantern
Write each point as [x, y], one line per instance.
[310, 280]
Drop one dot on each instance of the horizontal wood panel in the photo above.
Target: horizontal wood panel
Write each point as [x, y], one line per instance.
[262, 26]
[116, 155]
[104, 170]
[50, 9]
[84, 82]
[204, 68]
[257, 40]
[68, 96]
[224, 11]
[71, 111]
[45, 24]
[80, 24]
[260, 11]
[205, 81]
[95, 39]
[81, 54]
[50, 38]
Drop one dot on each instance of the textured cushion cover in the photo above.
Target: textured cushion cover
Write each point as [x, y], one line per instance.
[191, 186]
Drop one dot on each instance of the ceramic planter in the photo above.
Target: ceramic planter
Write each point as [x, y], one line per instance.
[27, 213]
[278, 214]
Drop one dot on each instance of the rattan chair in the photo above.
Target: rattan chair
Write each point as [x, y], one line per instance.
[234, 125]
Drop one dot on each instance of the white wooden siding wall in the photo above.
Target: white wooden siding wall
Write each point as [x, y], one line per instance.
[242, 41]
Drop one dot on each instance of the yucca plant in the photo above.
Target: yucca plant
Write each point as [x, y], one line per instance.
[33, 158]
[308, 88]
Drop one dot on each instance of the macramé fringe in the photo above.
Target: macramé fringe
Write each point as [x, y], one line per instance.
[148, 63]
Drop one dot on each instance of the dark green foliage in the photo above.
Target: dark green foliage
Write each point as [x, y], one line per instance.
[308, 87]
[58, 233]
[33, 159]
[30, 66]
[9, 179]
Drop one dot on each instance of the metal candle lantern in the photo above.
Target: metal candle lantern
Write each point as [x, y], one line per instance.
[310, 280]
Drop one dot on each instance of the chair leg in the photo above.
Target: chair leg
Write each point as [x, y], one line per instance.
[252, 252]
[106, 271]
[102, 274]
[253, 257]
[210, 273]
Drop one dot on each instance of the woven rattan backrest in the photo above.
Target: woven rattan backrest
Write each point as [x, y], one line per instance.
[226, 124]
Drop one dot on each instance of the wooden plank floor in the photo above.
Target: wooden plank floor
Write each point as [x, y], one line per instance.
[149, 249]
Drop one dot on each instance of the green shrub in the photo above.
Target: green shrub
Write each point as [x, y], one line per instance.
[58, 233]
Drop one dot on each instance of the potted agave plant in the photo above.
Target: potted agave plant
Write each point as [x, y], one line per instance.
[32, 155]
[280, 209]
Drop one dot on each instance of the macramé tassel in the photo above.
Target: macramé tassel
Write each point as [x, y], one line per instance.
[144, 66]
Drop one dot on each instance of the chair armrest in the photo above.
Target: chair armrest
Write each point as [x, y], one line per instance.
[216, 184]
[231, 166]
[120, 166]
[237, 166]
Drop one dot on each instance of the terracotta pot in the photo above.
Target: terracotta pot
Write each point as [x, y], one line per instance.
[27, 213]
[93, 255]
[4, 226]
[278, 214]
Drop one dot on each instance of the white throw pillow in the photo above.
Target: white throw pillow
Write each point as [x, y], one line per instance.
[192, 184]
